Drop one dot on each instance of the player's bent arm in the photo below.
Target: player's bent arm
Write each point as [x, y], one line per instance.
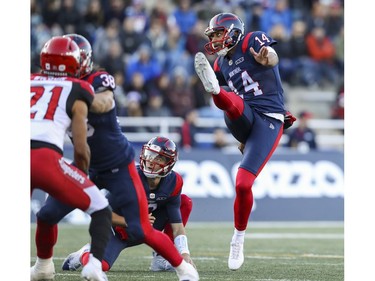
[103, 102]
[79, 135]
[266, 56]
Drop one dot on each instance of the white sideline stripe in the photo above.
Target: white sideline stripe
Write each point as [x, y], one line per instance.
[271, 224]
[294, 236]
[323, 256]
[282, 279]
[293, 257]
[152, 277]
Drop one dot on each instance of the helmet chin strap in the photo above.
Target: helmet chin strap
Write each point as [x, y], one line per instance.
[151, 176]
[223, 52]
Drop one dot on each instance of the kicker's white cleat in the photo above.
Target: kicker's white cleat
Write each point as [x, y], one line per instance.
[92, 271]
[42, 270]
[159, 263]
[236, 257]
[186, 272]
[206, 74]
[73, 260]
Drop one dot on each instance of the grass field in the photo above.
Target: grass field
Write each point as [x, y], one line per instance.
[273, 252]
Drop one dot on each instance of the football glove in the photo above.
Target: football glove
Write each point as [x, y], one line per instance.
[289, 119]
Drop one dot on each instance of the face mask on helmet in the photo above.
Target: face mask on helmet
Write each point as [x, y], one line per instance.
[158, 157]
[225, 30]
[86, 53]
[60, 57]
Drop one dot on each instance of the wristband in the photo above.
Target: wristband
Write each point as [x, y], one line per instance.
[181, 244]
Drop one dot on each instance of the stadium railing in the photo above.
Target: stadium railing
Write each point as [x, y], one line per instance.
[330, 133]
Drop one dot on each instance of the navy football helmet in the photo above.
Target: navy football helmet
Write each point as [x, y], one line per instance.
[86, 53]
[158, 157]
[233, 30]
[60, 57]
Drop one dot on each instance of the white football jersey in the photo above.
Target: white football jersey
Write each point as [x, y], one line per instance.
[51, 101]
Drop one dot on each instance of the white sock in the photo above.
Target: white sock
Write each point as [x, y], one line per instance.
[239, 235]
[43, 262]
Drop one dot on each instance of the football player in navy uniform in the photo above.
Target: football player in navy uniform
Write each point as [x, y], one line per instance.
[253, 108]
[169, 210]
[60, 101]
[112, 167]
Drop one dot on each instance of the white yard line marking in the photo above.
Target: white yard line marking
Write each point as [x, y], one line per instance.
[294, 236]
[273, 224]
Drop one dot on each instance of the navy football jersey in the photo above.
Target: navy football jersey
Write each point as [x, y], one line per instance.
[167, 195]
[109, 146]
[258, 85]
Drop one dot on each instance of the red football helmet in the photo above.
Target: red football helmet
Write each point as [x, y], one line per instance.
[233, 30]
[158, 157]
[60, 57]
[86, 52]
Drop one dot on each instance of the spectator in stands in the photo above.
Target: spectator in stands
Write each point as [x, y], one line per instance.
[69, 17]
[253, 19]
[136, 12]
[134, 104]
[189, 130]
[201, 101]
[322, 51]
[50, 12]
[179, 94]
[130, 39]
[156, 107]
[114, 9]
[278, 14]
[283, 49]
[220, 138]
[304, 68]
[196, 39]
[302, 137]
[138, 84]
[176, 54]
[318, 16]
[300, 9]
[113, 60]
[159, 11]
[120, 94]
[104, 37]
[338, 108]
[93, 18]
[145, 63]
[335, 19]
[157, 37]
[184, 16]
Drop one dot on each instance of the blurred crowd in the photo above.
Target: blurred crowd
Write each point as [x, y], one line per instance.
[148, 46]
